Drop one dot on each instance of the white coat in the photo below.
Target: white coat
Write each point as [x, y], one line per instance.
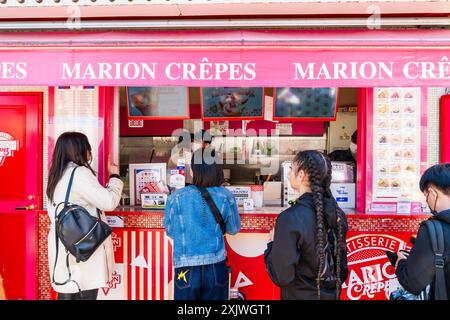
[90, 194]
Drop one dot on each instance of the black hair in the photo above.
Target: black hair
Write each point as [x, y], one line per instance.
[207, 172]
[354, 138]
[70, 147]
[437, 176]
[318, 168]
[181, 138]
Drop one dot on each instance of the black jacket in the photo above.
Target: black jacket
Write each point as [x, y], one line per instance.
[291, 259]
[342, 155]
[418, 271]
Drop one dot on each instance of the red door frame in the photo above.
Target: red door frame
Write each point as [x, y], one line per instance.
[29, 219]
[362, 151]
[106, 105]
[39, 95]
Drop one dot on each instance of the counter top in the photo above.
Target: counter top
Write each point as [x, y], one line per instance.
[271, 211]
[263, 220]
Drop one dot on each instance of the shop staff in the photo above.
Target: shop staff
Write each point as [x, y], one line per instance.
[347, 155]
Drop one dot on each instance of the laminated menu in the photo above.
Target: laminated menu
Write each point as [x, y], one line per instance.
[396, 144]
[146, 178]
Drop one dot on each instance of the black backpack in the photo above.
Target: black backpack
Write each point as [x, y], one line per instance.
[80, 232]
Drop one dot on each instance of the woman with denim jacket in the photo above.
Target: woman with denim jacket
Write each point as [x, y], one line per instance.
[199, 254]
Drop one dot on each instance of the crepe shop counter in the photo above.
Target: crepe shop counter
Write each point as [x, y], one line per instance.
[379, 194]
[386, 212]
[143, 254]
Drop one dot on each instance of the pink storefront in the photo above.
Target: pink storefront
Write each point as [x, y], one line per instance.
[392, 86]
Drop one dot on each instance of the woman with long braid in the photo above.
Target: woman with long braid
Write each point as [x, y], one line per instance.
[307, 255]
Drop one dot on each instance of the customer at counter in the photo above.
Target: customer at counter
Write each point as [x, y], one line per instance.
[347, 155]
[199, 254]
[307, 256]
[74, 280]
[418, 269]
[187, 144]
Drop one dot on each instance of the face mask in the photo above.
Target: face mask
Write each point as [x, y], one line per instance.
[433, 211]
[353, 148]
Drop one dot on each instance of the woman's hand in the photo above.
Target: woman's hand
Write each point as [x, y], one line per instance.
[400, 256]
[112, 167]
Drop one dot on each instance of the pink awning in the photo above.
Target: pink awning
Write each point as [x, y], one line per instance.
[213, 38]
[228, 58]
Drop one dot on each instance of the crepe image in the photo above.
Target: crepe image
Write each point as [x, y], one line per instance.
[396, 125]
[408, 95]
[408, 154]
[396, 139]
[395, 183]
[395, 95]
[383, 109]
[397, 154]
[382, 169]
[383, 183]
[409, 140]
[381, 154]
[382, 94]
[395, 109]
[410, 109]
[410, 124]
[382, 139]
[382, 124]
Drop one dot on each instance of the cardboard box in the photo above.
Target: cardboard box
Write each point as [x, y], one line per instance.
[272, 193]
[343, 172]
[345, 194]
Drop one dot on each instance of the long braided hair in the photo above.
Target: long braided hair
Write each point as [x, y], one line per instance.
[317, 167]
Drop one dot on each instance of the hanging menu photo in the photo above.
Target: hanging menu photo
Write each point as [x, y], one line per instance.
[396, 144]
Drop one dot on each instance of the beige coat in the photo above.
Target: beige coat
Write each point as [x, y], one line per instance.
[87, 192]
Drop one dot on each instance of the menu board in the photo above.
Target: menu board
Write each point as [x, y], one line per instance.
[232, 103]
[396, 144]
[157, 102]
[309, 103]
[77, 109]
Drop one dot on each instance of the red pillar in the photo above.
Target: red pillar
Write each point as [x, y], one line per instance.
[445, 128]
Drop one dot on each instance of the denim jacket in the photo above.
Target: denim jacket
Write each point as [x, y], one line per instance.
[197, 237]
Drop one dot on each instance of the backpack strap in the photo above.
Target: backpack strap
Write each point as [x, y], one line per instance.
[434, 228]
[66, 202]
[69, 187]
[212, 206]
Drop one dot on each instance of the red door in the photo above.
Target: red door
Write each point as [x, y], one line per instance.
[20, 191]
[19, 150]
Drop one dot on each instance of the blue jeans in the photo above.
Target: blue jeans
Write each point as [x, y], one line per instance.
[208, 282]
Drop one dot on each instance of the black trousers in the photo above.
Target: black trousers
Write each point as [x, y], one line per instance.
[85, 295]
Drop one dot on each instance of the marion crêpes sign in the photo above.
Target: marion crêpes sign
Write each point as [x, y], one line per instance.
[277, 68]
